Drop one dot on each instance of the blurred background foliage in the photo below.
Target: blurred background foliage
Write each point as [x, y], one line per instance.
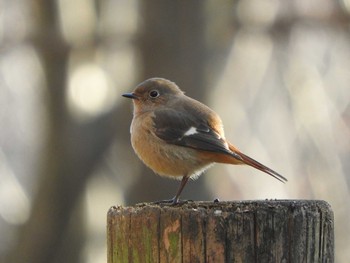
[278, 72]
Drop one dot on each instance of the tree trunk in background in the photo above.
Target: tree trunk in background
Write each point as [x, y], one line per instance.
[172, 45]
[55, 229]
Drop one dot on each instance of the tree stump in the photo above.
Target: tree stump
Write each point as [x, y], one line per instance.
[243, 231]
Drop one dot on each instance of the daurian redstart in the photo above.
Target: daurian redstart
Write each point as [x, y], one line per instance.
[179, 137]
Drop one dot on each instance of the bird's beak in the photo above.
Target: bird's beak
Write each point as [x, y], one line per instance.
[130, 96]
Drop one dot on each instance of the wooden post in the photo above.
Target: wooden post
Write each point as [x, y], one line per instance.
[245, 231]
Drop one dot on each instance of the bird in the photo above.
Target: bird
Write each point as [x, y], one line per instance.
[179, 137]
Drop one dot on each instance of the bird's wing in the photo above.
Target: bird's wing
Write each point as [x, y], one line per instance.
[183, 129]
[187, 130]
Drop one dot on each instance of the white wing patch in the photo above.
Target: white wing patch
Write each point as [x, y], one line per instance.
[191, 131]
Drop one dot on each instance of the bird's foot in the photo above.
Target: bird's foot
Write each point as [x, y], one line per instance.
[171, 202]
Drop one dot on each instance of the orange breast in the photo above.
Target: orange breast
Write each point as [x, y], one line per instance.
[163, 158]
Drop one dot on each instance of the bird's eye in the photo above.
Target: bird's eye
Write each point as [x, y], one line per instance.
[154, 93]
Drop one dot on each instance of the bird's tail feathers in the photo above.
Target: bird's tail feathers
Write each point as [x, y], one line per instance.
[244, 159]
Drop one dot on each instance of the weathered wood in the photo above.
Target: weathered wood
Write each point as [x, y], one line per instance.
[246, 231]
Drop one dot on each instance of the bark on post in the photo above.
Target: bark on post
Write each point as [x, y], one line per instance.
[245, 231]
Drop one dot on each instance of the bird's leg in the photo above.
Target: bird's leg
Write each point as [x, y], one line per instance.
[175, 199]
[184, 181]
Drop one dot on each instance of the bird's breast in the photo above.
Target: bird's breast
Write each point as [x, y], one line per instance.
[164, 158]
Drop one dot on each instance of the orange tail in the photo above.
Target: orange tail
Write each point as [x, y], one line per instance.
[250, 161]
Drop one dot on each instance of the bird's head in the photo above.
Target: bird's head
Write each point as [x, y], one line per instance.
[153, 93]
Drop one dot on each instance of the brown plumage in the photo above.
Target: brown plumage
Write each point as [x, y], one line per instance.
[179, 137]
